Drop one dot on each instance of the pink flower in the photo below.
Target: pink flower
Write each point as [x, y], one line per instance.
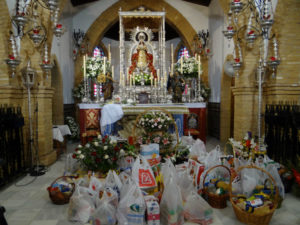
[165, 141]
[157, 139]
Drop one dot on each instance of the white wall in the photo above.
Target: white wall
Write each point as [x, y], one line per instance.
[216, 25]
[62, 48]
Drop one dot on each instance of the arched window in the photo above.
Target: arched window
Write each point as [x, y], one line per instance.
[183, 52]
[98, 51]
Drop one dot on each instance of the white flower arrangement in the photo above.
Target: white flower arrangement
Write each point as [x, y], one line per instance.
[155, 121]
[138, 78]
[95, 66]
[189, 66]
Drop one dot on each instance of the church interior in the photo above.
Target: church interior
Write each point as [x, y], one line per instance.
[138, 112]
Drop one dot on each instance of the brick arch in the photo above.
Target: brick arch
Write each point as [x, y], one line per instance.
[111, 16]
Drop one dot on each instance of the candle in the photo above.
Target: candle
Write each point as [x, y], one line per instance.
[172, 56]
[181, 65]
[104, 63]
[165, 77]
[162, 82]
[133, 79]
[109, 54]
[112, 72]
[199, 67]
[120, 80]
[84, 67]
[151, 79]
[155, 82]
[158, 74]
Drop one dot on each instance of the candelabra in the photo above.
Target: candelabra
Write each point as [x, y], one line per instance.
[260, 19]
[46, 64]
[27, 14]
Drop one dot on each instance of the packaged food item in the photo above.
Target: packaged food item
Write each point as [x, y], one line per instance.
[152, 210]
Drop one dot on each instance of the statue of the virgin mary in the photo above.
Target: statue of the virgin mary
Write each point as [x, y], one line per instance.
[142, 61]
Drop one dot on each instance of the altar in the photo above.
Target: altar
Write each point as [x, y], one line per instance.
[190, 119]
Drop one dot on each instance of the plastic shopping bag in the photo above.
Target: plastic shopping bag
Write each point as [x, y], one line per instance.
[71, 165]
[198, 151]
[105, 214]
[171, 206]
[185, 184]
[112, 180]
[142, 173]
[95, 184]
[168, 170]
[131, 210]
[197, 210]
[80, 207]
[213, 158]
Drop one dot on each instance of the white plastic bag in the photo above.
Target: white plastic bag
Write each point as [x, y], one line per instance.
[171, 206]
[109, 195]
[131, 210]
[142, 173]
[168, 170]
[105, 214]
[112, 180]
[213, 158]
[95, 184]
[185, 184]
[80, 206]
[198, 150]
[71, 165]
[197, 210]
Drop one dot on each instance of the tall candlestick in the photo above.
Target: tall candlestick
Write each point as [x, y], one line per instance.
[165, 77]
[104, 65]
[158, 74]
[151, 80]
[112, 72]
[120, 80]
[155, 82]
[84, 67]
[181, 65]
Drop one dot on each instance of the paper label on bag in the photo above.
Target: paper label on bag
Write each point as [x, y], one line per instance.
[146, 179]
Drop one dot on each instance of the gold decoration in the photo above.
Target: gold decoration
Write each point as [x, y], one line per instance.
[101, 78]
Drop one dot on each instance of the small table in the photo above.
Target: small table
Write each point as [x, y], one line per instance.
[59, 132]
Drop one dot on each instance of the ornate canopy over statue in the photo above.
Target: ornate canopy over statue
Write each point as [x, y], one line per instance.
[144, 56]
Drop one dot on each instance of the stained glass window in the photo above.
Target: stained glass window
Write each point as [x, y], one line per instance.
[183, 52]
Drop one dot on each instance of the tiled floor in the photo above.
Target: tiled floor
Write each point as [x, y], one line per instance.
[30, 205]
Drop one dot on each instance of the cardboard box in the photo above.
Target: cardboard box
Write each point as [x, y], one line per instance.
[152, 210]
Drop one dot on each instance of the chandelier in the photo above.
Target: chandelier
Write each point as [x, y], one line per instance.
[27, 20]
[260, 18]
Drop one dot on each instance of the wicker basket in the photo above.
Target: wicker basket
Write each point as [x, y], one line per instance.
[172, 120]
[58, 197]
[250, 218]
[215, 201]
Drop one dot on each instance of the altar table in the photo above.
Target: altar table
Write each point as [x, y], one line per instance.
[90, 118]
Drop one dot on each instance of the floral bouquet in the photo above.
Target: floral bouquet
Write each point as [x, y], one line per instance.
[155, 121]
[138, 78]
[189, 67]
[99, 155]
[248, 147]
[78, 92]
[164, 141]
[95, 66]
[74, 128]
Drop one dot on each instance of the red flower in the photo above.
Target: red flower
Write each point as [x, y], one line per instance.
[114, 159]
[98, 160]
[237, 60]
[116, 148]
[58, 25]
[130, 140]
[248, 143]
[74, 156]
[273, 58]
[94, 153]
